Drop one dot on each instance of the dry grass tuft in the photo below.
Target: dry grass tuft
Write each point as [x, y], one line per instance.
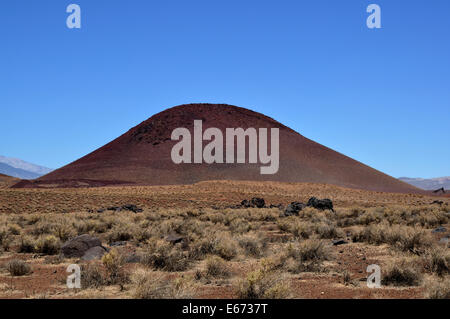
[264, 283]
[155, 285]
[216, 267]
[404, 272]
[18, 267]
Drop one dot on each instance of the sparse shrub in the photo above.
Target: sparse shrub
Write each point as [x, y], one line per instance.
[64, 231]
[307, 256]
[264, 283]
[18, 267]
[166, 256]
[42, 228]
[409, 239]
[216, 267]
[240, 226]
[225, 248]
[404, 238]
[253, 246]
[437, 288]
[120, 233]
[328, 231]
[438, 261]
[222, 245]
[114, 263]
[154, 285]
[27, 244]
[92, 276]
[5, 238]
[48, 244]
[346, 278]
[14, 229]
[401, 273]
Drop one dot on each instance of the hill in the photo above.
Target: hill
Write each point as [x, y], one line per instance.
[142, 156]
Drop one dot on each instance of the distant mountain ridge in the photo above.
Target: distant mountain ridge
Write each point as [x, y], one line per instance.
[428, 183]
[18, 168]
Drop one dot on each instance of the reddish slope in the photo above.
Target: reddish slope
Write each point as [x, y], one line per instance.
[142, 156]
[6, 181]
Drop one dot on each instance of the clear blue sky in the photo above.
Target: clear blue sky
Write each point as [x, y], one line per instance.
[379, 96]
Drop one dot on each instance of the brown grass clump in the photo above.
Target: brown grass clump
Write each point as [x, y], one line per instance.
[438, 261]
[27, 244]
[120, 233]
[5, 238]
[14, 229]
[216, 267]
[264, 283]
[92, 276]
[114, 265]
[220, 244]
[404, 272]
[307, 255]
[155, 285]
[18, 267]
[47, 244]
[436, 288]
[165, 256]
[253, 246]
[404, 238]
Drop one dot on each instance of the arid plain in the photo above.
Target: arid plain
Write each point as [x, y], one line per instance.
[198, 241]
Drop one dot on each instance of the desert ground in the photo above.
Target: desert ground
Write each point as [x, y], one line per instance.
[197, 241]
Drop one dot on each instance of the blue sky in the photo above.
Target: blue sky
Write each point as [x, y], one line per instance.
[379, 96]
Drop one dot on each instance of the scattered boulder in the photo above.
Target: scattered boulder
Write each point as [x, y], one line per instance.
[254, 202]
[438, 202]
[246, 203]
[338, 242]
[258, 202]
[440, 229]
[94, 253]
[133, 258]
[118, 243]
[279, 206]
[175, 239]
[78, 246]
[439, 190]
[130, 207]
[294, 208]
[321, 204]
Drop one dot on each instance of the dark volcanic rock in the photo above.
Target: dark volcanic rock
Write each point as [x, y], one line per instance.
[338, 242]
[254, 202]
[78, 246]
[440, 230]
[132, 208]
[129, 207]
[175, 239]
[321, 204]
[246, 203]
[279, 206]
[294, 208]
[258, 202]
[133, 258]
[93, 253]
[118, 243]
